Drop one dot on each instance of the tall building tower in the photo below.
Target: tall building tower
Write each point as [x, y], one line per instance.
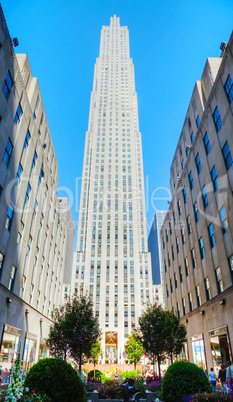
[154, 247]
[112, 261]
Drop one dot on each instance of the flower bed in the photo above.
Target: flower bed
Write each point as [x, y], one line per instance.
[110, 390]
[212, 397]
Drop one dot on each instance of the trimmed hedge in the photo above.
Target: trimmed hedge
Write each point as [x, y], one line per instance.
[56, 379]
[98, 375]
[182, 379]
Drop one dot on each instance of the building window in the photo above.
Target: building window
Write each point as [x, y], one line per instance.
[219, 280]
[178, 310]
[204, 197]
[190, 301]
[211, 235]
[18, 114]
[207, 288]
[227, 155]
[182, 164]
[173, 254]
[27, 139]
[7, 85]
[185, 195]
[171, 286]
[182, 235]
[169, 259]
[207, 143]
[180, 274]
[18, 174]
[223, 217]
[40, 176]
[179, 207]
[1, 264]
[183, 305]
[189, 225]
[229, 88]
[198, 163]
[175, 281]
[214, 176]
[217, 119]
[7, 152]
[27, 193]
[191, 181]
[198, 121]
[196, 213]
[34, 160]
[186, 266]
[230, 261]
[198, 296]
[9, 218]
[177, 245]
[201, 247]
[193, 256]
[192, 138]
[12, 279]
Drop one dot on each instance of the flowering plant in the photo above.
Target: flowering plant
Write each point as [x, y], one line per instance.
[110, 390]
[229, 384]
[154, 386]
[212, 397]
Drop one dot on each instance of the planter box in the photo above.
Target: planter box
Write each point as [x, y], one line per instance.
[93, 396]
[150, 396]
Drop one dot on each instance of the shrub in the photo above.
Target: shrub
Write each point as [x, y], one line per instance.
[140, 387]
[183, 378]
[99, 376]
[57, 379]
[130, 374]
[110, 390]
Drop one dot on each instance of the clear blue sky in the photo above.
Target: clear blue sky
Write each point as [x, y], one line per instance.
[169, 43]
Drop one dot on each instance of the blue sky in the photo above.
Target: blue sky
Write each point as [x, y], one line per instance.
[169, 43]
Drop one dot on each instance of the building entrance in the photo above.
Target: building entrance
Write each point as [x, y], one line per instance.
[220, 347]
[111, 347]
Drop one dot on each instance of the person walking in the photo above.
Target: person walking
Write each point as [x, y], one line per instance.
[229, 373]
[222, 376]
[212, 378]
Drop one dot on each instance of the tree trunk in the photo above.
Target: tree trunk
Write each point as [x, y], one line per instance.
[153, 364]
[171, 359]
[159, 367]
[135, 367]
[94, 368]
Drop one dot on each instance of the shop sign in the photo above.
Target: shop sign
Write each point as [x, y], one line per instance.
[218, 331]
[12, 330]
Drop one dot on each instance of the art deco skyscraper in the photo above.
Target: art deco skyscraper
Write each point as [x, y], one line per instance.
[112, 260]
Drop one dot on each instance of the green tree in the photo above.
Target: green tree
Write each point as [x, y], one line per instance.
[134, 348]
[76, 329]
[95, 352]
[152, 326]
[175, 335]
[57, 341]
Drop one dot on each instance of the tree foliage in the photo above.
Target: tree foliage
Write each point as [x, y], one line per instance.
[134, 348]
[95, 353]
[75, 329]
[175, 335]
[161, 332]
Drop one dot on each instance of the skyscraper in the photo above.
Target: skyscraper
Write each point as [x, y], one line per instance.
[112, 261]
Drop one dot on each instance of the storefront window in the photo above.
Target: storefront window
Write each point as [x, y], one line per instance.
[9, 346]
[43, 351]
[29, 353]
[199, 351]
[220, 347]
[184, 353]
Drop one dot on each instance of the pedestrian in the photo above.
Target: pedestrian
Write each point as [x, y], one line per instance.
[222, 376]
[212, 378]
[229, 373]
[4, 374]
